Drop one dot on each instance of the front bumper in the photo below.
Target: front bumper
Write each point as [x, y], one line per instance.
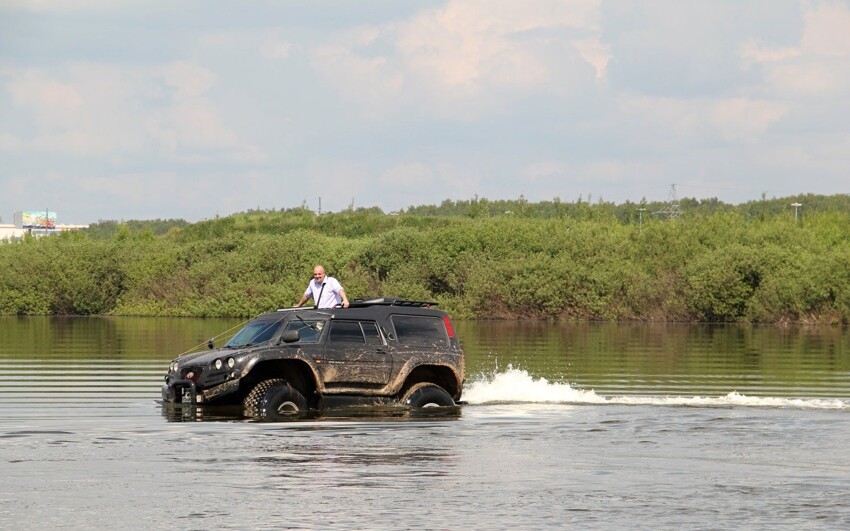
[180, 392]
[187, 392]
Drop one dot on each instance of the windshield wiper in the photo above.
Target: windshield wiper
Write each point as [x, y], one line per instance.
[313, 326]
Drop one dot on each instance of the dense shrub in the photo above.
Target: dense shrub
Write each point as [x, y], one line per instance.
[485, 259]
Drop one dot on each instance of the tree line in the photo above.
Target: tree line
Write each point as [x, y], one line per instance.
[583, 260]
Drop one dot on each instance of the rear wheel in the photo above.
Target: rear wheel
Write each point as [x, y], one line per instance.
[274, 399]
[427, 395]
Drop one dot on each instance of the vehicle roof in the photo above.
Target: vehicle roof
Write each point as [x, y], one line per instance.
[376, 308]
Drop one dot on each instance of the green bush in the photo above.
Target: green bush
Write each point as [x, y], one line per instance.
[478, 259]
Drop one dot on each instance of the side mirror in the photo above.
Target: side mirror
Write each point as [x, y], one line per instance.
[290, 336]
[211, 343]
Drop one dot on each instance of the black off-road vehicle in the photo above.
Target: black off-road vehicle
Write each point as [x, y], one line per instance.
[299, 359]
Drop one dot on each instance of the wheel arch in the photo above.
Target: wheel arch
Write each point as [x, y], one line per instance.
[441, 375]
[297, 372]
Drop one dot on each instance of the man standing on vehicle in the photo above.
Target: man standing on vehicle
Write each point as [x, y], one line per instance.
[326, 291]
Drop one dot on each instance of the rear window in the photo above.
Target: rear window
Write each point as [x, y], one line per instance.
[420, 330]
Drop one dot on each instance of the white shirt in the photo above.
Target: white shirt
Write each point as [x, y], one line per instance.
[330, 295]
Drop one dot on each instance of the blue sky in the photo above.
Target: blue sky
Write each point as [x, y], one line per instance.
[126, 109]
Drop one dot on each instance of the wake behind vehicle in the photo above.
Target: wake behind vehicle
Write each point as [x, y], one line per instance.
[298, 359]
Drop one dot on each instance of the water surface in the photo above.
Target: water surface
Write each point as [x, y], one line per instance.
[591, 425]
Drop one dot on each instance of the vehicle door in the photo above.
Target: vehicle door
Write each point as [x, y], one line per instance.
[310, 334]
[355, 354]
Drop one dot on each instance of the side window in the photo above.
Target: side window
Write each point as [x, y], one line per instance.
[309, 331]
[346, 332]
[420, 330]
[370, 330]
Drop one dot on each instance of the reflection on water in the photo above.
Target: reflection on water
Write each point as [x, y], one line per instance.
[665, 359]
[515, 386]
[384, 413]
[580, 425]
[105, 338]
[73, 363]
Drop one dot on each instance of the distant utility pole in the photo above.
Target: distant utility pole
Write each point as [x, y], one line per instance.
[672, 210]
[320, 205]
[640, 214]
[796, 206]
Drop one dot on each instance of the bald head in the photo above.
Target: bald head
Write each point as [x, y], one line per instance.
[319, 274]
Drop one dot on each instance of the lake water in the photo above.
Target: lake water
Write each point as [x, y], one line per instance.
[566, 425]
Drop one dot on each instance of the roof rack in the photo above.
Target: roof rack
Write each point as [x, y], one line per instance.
[390, 301]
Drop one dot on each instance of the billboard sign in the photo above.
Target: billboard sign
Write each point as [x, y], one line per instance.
[38, 219]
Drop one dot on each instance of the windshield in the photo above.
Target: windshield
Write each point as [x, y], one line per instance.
[254, 333]
[309, 330]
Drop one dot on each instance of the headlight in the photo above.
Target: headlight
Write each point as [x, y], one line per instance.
[173, 366]
[231, 362]
[218, 364]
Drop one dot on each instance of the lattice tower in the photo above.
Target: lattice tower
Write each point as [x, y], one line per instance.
[672, 210]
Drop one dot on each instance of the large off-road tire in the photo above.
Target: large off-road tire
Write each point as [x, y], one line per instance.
[426, 394]
[274, 399]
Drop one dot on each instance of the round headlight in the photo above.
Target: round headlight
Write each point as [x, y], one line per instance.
[231, 362]
[218, 364]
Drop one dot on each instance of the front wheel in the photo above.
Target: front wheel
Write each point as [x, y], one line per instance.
[274, 399]
[427, 395]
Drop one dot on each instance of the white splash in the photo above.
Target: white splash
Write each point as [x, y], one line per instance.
[517, 386]
[734, 399]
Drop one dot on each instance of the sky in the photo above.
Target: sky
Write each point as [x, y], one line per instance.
[142, 109]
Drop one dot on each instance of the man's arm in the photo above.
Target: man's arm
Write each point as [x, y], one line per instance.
[344, 298]
[302, 301]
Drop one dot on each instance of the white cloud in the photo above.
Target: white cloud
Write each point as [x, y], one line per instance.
[416, 183]
[63, 6]
[53, 100]
[595, 52]
[662, 118]
[809, 78]
[753, 53]
[674, 121]
[408, 174]
[546, 170]
[9, 142]
[402, 184]
[114, 111]
[745, 120]
[827, 30]
[276, 47]
[820, 65]
[188, 80]
[371, 82]
[198, 195]
[130, 187]
[337, 182]
[618, 172]
[417, 103]
[468, 57]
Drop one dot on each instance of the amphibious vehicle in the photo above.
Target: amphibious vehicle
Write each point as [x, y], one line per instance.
[294, 360]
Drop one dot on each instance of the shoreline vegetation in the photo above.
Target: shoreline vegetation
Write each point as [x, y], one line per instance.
[758, 262]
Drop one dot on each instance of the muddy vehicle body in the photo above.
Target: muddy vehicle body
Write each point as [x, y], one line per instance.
[299, 359]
